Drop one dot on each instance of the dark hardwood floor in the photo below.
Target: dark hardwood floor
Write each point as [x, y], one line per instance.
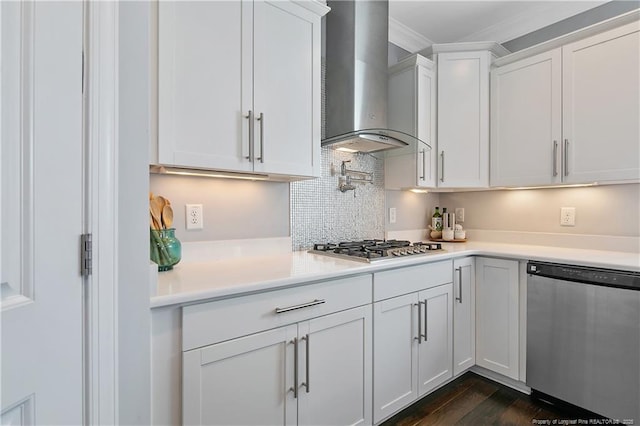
[474, 400]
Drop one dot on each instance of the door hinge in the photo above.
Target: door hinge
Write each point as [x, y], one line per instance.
[86, 254]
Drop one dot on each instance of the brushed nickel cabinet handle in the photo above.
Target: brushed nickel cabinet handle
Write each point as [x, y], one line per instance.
[306, 342]
[442, 167]
[459, 299]
[261, 120]
[555, 158]
[425, 320]
[295, 367]
[419, 338]
[424, 167]
[301, 306]
[566, 157]
[250, 118]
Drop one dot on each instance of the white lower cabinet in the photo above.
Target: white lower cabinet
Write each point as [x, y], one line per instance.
[464, 315]
[306, 371]
[413, 337]
[220, 379]
[497, 316]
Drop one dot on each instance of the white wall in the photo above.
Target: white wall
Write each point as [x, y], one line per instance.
[233, 209]
[600, 210]
[413, 210]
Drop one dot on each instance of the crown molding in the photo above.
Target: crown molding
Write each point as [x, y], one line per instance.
[609, 24]
[496, 49]
[406, 38]
[410, 62]
[542, 16]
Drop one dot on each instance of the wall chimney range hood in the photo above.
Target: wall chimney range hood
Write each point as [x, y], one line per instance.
[356, 78]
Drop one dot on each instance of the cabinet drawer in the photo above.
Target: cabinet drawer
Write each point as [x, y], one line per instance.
[396, 282]
[213, 322]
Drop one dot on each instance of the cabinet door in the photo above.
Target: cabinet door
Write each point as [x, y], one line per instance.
[336, 369]
[286, 89]
[204, 84]
[526, 119]
[464, 315]
[436, 350]
[426, 126]
[601, 106]
[463, 119]
[395, 366]
[245, 381]
[497, 316]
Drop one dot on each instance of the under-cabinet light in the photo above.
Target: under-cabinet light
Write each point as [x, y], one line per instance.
[343, 149]
[419, 191]
[205, 173]
[575, 185]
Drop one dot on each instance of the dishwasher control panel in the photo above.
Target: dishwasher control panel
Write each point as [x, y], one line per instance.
[587, 275]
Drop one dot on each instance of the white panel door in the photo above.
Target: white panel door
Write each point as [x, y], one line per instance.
[395, 365]
[497, 317]
[335, 366]
[245, 381]
[204, 83]
[285, 75]
[41, 173]
[464, 315]
[435, 353]
[463, 119]
[601, 106]
[526, 121]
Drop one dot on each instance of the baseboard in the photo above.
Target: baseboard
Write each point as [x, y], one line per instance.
[503, 380]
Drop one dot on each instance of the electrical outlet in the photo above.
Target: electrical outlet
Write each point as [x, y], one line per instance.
[193, 216]
[568, 216]
[459, 214]
[392, 215]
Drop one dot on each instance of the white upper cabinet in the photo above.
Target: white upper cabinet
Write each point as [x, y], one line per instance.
[411, 109]
[601, 106]
[239, 86]
[463, 119]
[526, 127]
[569, 115]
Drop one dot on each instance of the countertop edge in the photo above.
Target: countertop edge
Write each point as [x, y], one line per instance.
[500, 250]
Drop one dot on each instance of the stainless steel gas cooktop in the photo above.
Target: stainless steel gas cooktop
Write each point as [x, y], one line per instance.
[376, 250]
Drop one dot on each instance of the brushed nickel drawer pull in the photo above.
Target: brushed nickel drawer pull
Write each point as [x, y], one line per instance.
[555, 158]
[566, 157]
[419, 338]
[295, 367]
[301, 306]
[459, 299]
[306, 342]
[425, 320]
[250, 117]
[261, 120]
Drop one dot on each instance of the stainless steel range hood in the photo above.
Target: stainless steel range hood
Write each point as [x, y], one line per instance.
[356, 78]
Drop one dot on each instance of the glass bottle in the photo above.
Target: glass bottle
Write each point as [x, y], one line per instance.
[436, 220]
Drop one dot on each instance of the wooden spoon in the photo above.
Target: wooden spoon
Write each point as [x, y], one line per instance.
[167, 216]
[155, 205]
[155, 217]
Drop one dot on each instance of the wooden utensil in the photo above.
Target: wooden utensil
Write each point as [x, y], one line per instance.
[167, 216]
[156, 205]
[155, 221]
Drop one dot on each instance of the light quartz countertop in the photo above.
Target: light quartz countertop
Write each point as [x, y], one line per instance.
[204, 279]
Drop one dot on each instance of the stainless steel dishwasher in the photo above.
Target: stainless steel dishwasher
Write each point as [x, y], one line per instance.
[583, 337]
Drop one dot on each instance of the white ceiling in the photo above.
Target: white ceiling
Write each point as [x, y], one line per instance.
[416, 24]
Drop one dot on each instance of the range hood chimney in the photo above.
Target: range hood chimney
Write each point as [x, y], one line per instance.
[356, 78]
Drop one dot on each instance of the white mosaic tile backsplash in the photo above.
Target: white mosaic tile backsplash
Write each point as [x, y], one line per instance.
[320, 212]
